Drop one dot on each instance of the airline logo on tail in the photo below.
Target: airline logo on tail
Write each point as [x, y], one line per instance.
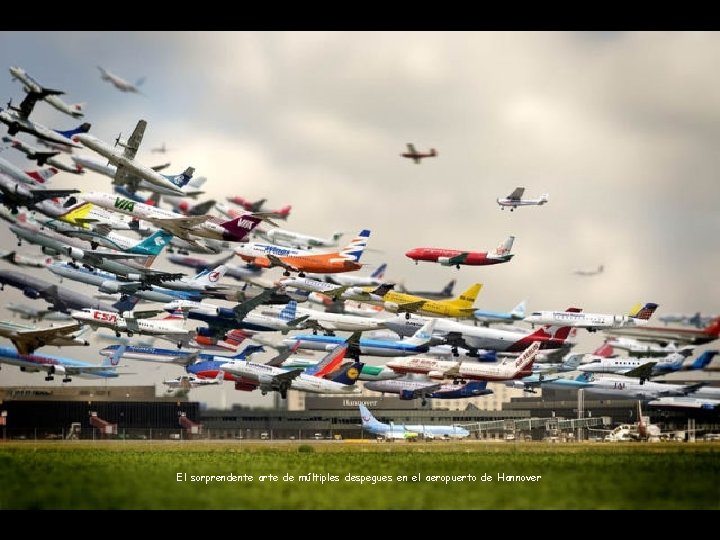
[354, 250]
[646, 312]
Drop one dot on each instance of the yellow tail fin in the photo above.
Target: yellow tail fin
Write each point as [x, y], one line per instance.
[467, 299]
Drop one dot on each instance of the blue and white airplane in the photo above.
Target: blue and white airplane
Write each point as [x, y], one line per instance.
[486, 317]
[420, 342]
[403, 431]
[59, 365]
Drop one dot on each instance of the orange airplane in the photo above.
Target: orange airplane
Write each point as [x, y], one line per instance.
[301, 261]
[417, 156]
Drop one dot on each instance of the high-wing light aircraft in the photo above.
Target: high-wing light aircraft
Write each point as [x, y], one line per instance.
[416, 156]
[454, 257]
[515, 199]
[119, 83]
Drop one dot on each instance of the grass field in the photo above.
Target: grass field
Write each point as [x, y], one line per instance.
[117, 475]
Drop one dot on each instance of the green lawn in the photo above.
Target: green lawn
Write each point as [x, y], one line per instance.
[144, 475]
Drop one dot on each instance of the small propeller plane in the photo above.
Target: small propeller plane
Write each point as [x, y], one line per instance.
[515, 199]
[416, 156]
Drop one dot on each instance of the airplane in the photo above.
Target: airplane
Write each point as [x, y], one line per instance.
[515, 199]
[420, 342]
[41, 157]
[14, 195]
[121, 84]
[459, 308]
[241, 272]
[18, 259]
[31, 313]
[268, 255]
[31, 85]
[667, 334]
[638, 348]
[136, 183]
[186, 208]
[588, 271]
[283, 237]
[697, 319]
[274, 378]
[249, 206]
[134, 323]
[476, 338]
[58, 365]
[108, 283]
[127, 168]
[185, 227]
[510, 368]
[444, 294]
[61, 298]
[418, 156]
[487, 317]
[31, 177]
[669, 363]
[332, 322]
[454, 257]
[17, 120]
[160, 149]
[84, 218]
[403, 431]
[375, 278]
[29, 338]
[409, 389]
[594, 321]
[186, 382]
[685, 403]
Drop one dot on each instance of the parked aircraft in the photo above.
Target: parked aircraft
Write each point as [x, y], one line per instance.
[454, 257]
[31, 85]
[58, 365]
[119, 83]
[268, 255]
[416, 156]
[594, 321]
[589, 271]
[29, 338]
[408, 389]
[515, 199]
[404, 431]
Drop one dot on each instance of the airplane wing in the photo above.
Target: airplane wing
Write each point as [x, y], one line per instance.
[158, 168]
[27, 341]
[241, 310]
[284, 379]
[276, 261]
[276, 361]
[411, 307]
[133, 143]
[422, 392]
[643, 371]
[458, 259]
[28, 104]
[336, 293]
[517, 194]
[52, 296]
[124, 177]
[154, 277]
[178, 226]
[40, 195]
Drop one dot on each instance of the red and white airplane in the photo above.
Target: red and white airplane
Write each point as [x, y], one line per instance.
[418, 156]
[257, 206]
[454, 257]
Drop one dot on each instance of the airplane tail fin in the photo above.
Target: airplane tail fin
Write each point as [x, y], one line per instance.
[605, 350]
[114, 359]
[180, 180]
[153, 244]
[518, 311]
[713, 329]
[197, 181]
[368, 420]
[78, 109]
[289, 312]
[140, 81]
[646, 312]
[524, 362]
[379, 272]
[82, 128]
[544, 198]
[248, 351]
[448, 289]
[503, 250]
[210, 277]
[241, 226]
[383, 289]
[703, 360]
[433, 152]
[467, 299]
[42, 175]
[126, 303]
[284, 212]
[572, 363]
[423, 335]
[349, 374]
[329, 363]
[354, 250]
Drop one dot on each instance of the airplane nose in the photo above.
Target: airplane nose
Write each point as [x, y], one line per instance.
[411, 253]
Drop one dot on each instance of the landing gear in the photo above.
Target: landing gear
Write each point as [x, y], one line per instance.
[301, 274]
[94, 245]
[457, 266]
[117, 334]
[454, 351]
[49, 378]
[286, 273]
[67, 379]
[179, 344]
[407, 315]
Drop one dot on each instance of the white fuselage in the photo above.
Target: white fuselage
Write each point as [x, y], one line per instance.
[583, 320]
[117, 158]
[97, 318]
[23, 124]
[31, 85]
[293, 239]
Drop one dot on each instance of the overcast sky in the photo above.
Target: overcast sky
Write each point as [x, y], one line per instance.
[622, 130]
